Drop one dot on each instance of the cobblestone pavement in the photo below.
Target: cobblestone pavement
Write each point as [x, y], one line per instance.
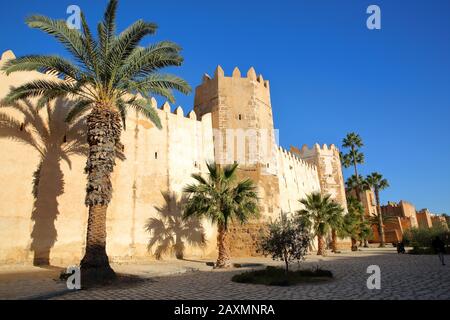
[402, 277]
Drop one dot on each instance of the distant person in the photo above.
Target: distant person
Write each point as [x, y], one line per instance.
[439, 248]
[401, 247]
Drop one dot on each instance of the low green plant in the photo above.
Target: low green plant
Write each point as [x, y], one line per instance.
[275, 276]
[420, 239]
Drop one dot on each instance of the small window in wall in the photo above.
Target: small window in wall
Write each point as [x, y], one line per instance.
[195, 164]
[156, 155]
[268, 165]
[240, 117]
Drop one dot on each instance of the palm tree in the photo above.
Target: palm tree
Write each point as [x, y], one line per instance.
[110, 74]
[319, 214]
[336, 221]
[170, 232]
[353, 183]
[353, 226]
[221, 199]
[354, 157]
[377, 183]
[54, 141]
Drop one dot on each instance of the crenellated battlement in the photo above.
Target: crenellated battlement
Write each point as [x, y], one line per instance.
[178, 111]
[236, 74]
[290, 156]
[324, 149]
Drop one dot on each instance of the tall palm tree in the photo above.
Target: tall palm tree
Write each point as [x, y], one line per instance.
[319, 214]
[105, 78]
[354, 157]
[376, 181]
[221, 199]
[54, 141]
[170, 231]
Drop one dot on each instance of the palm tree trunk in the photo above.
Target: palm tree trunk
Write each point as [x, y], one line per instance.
[333, 241]
[380, 220]
[103, 135]
[320, 245]
[354, 245]
[223, 260]
[358, 195]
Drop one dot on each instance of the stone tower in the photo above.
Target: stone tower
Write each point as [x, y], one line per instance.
[243, 133]
[329, 168]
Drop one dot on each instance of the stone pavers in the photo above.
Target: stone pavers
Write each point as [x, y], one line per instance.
[402, 277]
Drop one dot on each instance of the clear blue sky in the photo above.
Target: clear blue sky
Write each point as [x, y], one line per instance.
[329, 74]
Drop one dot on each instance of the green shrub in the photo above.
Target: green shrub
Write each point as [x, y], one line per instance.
[420, 239]
[274, 276]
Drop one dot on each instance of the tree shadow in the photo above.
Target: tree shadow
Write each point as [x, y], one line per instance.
[170, 231]
[55, 141]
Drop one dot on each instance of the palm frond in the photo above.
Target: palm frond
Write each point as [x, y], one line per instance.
[71, 39]
[144, 107]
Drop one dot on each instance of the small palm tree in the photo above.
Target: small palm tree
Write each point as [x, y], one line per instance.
[170, 231]
[319, 214]
[105, 79]
[377, 183]
[336, 221]
[353, 226]
[54, 141]
[352, 184]
[221, 199]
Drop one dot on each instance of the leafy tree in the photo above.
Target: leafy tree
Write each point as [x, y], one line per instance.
[105, 77]
[318, 215]
[286, 240]
[221, 199]
[377, 183]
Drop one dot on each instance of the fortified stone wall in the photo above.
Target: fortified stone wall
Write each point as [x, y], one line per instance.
[328, 163]
[297, 178]
[156, 161]
[148, 182]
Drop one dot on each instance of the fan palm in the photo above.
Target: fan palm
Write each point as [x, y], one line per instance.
[353, 226]
[110, 75]
[354, 157]
[377, 183]
[319, 214]
[352, 183]
[54, 141]
[336, 221]
[221, 199]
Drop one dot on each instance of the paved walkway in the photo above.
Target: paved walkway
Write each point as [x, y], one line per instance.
[402, 277]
